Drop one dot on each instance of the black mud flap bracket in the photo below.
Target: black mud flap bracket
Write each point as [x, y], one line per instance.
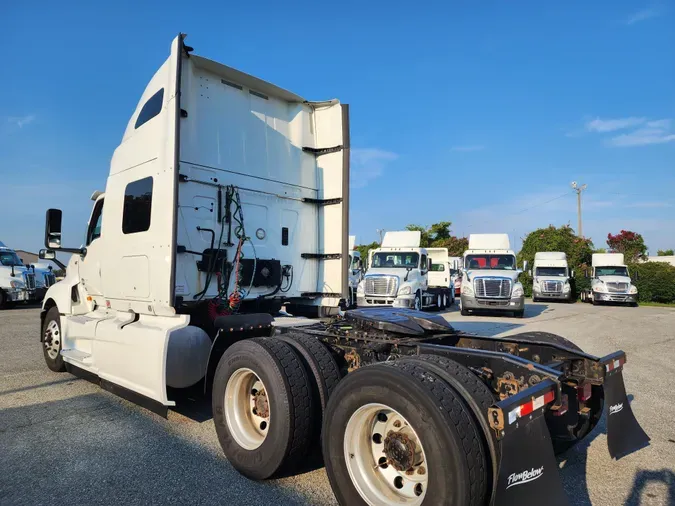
[624, 434]
[528, 471]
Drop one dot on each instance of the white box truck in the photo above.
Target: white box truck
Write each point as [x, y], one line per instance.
[610, 281]
[398, 275]
[228, 192]
[490, 276]
[551, 277]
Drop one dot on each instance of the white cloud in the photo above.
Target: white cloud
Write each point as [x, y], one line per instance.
[368, 164]
[21, 121]
[653, 204]
[642, 15]
[660, 123]
[468, 148]
[643, 137]
[610, 125]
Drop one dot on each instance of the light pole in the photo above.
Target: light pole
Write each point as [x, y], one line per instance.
[381, 231]
[579, 188]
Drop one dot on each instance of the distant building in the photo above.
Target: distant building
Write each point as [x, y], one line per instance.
[668, 259]
[29, 258]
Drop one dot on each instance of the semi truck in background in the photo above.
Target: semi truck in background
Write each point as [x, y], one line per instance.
[18, 282]
[442, 275]
[490, 276]
[355, 272]
[610, 281]
[405, 409]
[551, 277]
[398, 275]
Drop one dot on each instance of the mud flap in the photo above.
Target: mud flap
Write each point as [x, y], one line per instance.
[528, 470]
[624, 434]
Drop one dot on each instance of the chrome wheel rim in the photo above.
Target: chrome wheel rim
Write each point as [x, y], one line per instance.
[247, 409]
[385, 458]
[52, 339]
[418, 303]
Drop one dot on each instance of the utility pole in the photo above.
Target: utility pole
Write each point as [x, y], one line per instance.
[381, 231]
[579, 188]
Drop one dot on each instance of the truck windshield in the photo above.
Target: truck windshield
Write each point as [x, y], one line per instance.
[493, 262]
[611, 271]
[396, 259]
[551, 271]
[354, 262]
[9, 258]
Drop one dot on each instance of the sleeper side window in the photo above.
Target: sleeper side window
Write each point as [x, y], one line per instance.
[151, 108]
[137, 206]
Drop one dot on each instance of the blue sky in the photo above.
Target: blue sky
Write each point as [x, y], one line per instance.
[476, 114]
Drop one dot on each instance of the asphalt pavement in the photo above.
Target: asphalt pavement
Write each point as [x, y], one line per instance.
[65, 441]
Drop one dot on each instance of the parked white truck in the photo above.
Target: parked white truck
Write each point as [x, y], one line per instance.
[490, 277]
[17, 281]
[398, 275]
[355, 272]
[610, 281]
[228, 193]
[551, 277]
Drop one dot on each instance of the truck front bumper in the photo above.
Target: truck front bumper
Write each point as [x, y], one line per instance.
[615, 297]
[17, 295]
[380, 301]
[553, 296]
[512, 304]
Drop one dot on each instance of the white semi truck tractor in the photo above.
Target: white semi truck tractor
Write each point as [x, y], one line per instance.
[490, 276]
[551, 277]
[610, 281]
[398, 275]
[17, 282]
[228, 193]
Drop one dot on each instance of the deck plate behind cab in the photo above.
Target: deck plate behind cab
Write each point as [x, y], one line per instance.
[398, 320]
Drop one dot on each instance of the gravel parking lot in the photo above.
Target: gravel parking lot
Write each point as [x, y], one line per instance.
[65, 441]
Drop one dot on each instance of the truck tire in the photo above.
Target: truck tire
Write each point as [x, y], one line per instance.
[439, 302]
[563, 442]
[375, 414]
[322, 370]
[262, 407]
[3, 299]
[51, 339]
[417, 302]
[478, 397]
[519, 314]
[464, 312]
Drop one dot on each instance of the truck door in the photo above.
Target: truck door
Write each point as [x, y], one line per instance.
[90, 264]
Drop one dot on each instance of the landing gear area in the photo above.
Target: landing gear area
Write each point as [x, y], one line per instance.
[437, 299]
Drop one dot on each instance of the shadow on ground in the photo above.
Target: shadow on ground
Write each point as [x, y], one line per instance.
[87, 450]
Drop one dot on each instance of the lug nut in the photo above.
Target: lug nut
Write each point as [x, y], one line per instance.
[397, 424]
[409, 472]
[421, 470]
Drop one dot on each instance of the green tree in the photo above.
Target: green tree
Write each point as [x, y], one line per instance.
[364, 249]
[665, 253]
[456, 245]
[577, 249]
[631, 244]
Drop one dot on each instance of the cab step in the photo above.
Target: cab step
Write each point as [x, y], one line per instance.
[77, 356]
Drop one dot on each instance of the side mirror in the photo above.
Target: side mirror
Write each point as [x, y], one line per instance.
[586, 273]
[428, 264]
[525, 265]
[636, 276]
[53, 229]
[47, 254]
[529, 272]
[572, 273]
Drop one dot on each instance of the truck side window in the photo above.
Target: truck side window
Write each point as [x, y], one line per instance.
[137, 206]
[423, 263]
[151, 108]
[94, 231]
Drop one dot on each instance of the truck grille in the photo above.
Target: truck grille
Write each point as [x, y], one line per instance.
[552, 286]
[617, 287]
[381, 285]
[50, 279]
[492, 287]
[29, 280]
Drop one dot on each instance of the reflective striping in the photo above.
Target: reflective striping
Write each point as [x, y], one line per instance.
[532, 405]
[615, 364]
